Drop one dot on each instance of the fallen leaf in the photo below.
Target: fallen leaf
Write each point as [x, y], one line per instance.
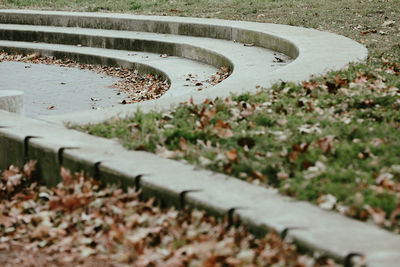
[278, 60]
[377, 214]
[395, 215]
[326, 144]
[258, 175]
[13, 181]
[231, 155]
[40, 232]
[29, 168]
[388, 23]
[384, 177]
[307, 128]
[368, 31]
[183, 144]
[327, 202]
[282, 175]
[6, 221]
[223, 129]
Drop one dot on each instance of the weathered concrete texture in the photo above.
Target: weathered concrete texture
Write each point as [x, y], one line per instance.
[182, 185]
[315, 52]
[181, 46]
[175, 69]
[12, 100]
[51, 90]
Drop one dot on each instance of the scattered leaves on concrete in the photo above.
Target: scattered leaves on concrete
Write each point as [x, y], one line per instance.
[134, 86]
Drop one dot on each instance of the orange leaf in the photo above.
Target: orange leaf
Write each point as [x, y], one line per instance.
[183, 144]
[231, 155]
[259, 175]
[293, 156]
[223, 129]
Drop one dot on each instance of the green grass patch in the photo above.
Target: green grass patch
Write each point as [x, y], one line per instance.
[337, 135]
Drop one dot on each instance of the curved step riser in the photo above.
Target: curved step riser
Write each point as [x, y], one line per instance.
[84, 58]
[128, 24]
[151, 24]
[151, 46]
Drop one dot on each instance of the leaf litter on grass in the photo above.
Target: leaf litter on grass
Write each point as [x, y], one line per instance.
[333, 140]
[82, 222]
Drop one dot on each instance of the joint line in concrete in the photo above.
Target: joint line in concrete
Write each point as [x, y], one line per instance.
[182, 196]
[348, 260]
[137, 182]
[96, 173]
[233, 218]
[60, 154]
[26, 146]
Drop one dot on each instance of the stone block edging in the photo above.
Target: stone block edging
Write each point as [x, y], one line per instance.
[183, 185]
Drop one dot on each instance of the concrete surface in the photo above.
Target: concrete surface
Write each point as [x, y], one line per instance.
[50, 90]
[314, 52]
[11, 100]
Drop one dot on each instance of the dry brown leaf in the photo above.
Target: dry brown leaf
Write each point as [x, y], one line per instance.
[40, 232]
[29, 168]
[377, 214]
[6, 221]
[183, 144]
[326, 144]
[395, 215]
[231, 155]
[223, 129]
[258, 175]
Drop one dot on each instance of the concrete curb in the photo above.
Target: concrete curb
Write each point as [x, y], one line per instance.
[182, 185]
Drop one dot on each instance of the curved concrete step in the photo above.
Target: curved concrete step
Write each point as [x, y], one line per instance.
[243, 60]
[314, 52]
[214, 52]
[175, 69]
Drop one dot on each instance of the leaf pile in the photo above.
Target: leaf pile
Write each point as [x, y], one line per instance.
[136, 87]
[334, 140]
[82, 222]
